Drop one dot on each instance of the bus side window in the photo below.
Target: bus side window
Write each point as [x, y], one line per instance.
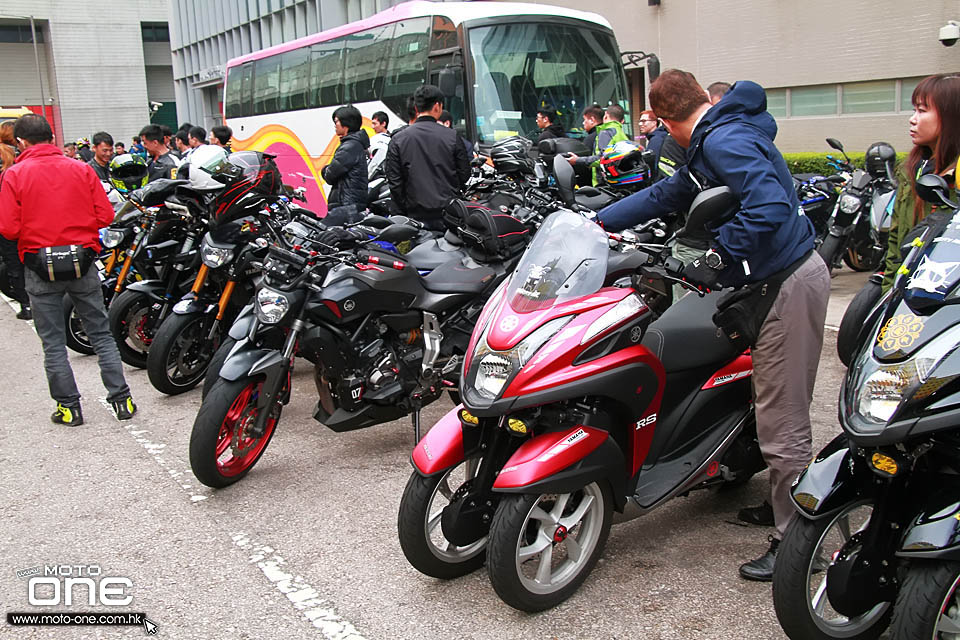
[266, 85]
[295, 79]
[366, 53]
[408, 62]
[237, 100]
[326, 73]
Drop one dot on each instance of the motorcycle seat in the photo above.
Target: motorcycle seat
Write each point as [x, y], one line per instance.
[431, 254]
[454, 277]
[684, 337]
[593, 202]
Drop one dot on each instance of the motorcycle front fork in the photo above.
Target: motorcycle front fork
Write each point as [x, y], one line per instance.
[277, 377]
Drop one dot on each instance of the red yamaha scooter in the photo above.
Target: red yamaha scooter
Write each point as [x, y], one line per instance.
[577, 402]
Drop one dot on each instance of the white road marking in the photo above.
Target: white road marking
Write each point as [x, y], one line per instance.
[304, 597]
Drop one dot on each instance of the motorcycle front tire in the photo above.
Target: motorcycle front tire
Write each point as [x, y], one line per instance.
[77, 339]
[853, 320]
[216, 363]
[231, 404]
[174, 330]
[927, 600]
[126, 309]
[829, 249]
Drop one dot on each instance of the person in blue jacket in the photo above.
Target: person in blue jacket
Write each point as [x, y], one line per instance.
[731, 144]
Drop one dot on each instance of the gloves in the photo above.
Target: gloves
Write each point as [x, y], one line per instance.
[341, 238]
[699, 274]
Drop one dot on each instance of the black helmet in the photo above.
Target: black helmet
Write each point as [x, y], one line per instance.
[128, 172]
[247, 175]
[879, 157]
[511, 155]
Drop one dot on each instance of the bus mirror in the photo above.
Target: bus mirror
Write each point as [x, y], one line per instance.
[448, 80]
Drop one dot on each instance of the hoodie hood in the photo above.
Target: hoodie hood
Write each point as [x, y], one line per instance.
[38, 150]
[360, 136]
[745, 102]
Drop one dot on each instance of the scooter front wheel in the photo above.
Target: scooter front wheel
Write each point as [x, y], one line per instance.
[222, 451]
[800, 579]
[420, 527]
[542, 547]
[928, 605]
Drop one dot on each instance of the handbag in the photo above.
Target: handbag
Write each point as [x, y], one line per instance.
[741, 313]
[56, 264]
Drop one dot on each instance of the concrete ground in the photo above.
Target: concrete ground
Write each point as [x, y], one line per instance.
[306, 545]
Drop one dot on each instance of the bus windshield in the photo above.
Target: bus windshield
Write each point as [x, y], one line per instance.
[521, 67]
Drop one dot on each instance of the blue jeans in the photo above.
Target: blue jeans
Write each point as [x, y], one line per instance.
[46, 298]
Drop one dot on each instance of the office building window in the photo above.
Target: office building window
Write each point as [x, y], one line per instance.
[869, 97]
[777, 102]
[813, 101]
[19, 33]
[907, 85]
[155, 32]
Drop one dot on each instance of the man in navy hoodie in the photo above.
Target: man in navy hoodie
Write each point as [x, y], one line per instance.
[731, 144]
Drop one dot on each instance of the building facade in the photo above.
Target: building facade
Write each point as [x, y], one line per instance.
[101, 64]
[844, 70]
[205, 35]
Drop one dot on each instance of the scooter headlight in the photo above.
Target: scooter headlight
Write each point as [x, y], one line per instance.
[271, 306]
[883, 388]
[111, 238]
[493, 369]
[215, 257]
[849, 203]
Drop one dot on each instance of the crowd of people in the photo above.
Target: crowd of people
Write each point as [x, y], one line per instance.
[701, 138]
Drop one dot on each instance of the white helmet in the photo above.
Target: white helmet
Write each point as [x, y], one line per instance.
[205, 161]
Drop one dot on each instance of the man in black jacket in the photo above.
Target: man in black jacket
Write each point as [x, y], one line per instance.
[426, 163]
[347, 172]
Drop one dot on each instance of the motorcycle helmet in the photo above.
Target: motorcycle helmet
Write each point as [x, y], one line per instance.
[511, 155]
[248, 176]
[82, 142]
[879, 156]
[622, 163]
[206, 162]
[128, 172]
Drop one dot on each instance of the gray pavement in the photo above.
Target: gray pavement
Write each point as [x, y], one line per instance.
[306, 545]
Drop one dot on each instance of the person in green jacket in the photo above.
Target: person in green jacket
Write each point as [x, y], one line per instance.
[935, 131]
[608, 132]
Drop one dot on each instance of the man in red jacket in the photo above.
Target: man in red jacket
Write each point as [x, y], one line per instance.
[48, 200]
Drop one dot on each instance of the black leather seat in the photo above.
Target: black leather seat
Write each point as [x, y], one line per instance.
[684, 337]
[429, 255]
[453, 277]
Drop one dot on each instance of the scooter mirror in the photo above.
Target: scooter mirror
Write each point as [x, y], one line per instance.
[934, 189]
[398, 233]
[833, 142]
[711, 209]
[378, 222]
[565, 177]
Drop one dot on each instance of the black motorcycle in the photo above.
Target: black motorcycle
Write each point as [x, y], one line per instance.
[876, 541]
[385, 341]
[860, 222]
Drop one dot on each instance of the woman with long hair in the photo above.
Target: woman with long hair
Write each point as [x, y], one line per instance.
[935, 131]
[8, 145]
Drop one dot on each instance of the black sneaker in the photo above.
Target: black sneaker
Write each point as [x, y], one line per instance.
[25, 313]
[124, 409]
[761, 569]
[69, 415]
[760, 515]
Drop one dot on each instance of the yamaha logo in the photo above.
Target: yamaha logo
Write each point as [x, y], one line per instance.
[509, 323]
[349, 305]
[635, 334]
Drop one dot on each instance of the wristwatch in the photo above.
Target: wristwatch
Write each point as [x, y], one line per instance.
[713, 259]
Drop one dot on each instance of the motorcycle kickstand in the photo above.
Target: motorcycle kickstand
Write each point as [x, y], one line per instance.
[415, 418]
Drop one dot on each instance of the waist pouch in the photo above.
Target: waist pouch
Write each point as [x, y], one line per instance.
[55, 264]
[741, 313]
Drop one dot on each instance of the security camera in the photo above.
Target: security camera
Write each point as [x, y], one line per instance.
[157, 105]
[949, 34]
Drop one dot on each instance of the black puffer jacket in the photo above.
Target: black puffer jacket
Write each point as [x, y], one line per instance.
[426, 167]
[347, 172]
[555, 130]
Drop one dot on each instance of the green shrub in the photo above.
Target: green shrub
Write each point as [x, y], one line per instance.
[809, 162]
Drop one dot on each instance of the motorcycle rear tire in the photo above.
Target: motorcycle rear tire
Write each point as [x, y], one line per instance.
[230, 403]
[828, 250]
[853, 320]
[413, 531]
[791, 584]
[127, 305]
[77, 339]
[169, 344]
[925, 597]
[216, 363]
[512, 524]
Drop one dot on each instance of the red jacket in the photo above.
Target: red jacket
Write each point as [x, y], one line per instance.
[49, 200]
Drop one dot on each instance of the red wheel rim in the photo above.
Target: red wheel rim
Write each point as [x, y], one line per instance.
[235, 452]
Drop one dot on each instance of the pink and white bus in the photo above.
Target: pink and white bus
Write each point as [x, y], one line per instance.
[497, 62]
